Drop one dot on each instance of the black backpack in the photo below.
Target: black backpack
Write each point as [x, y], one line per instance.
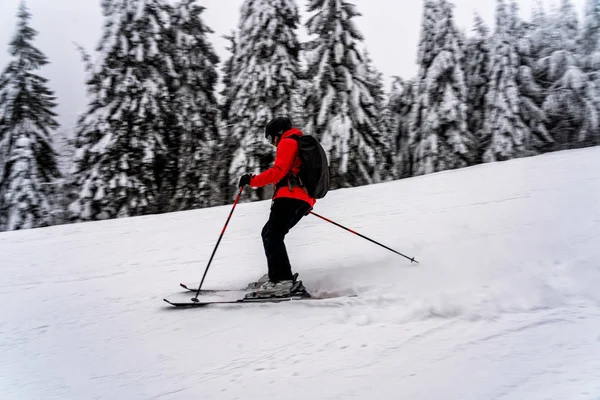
[314, 174]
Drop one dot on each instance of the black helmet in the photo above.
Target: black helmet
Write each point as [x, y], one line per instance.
[276, 127]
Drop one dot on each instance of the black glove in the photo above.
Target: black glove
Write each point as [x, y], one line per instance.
[245, 180]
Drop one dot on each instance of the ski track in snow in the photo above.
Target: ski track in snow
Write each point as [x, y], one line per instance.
[503, 305]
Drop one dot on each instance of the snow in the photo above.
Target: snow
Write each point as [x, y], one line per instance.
[503, 305]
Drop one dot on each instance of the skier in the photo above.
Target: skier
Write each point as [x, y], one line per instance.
[289, 204]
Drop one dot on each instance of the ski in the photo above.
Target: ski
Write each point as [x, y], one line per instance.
[209, 291]
[300, 297]
[192, 304]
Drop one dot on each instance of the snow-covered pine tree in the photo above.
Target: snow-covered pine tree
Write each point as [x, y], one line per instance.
[589, 39]
[229, 72]
[409, 98]
[374, 81]
[462, 41]
[301, 114]
[439, 135]
[426, 48]
[384, 153]
[227, 143]
[401, 102]
[341, 107]
[28, 165]
[589, 51]
[120, 136]
[570, 106]
[509, 135]
[538, 36]
[477, 55]
[192, 136]
[264, 83]
[532, 39]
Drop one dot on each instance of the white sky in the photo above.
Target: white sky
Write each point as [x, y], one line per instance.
[391, 29]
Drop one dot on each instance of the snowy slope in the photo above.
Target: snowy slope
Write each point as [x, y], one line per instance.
[504, 304]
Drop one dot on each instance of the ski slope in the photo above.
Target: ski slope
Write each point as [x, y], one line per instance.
[505, 303]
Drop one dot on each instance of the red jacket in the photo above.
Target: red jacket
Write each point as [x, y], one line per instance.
[286, 160]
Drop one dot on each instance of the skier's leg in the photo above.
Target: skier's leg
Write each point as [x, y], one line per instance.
[273, 234]
[285, 214]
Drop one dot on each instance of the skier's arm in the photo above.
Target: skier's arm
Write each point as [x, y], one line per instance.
[284, 158]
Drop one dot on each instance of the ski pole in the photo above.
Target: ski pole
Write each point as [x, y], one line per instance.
[364, 237]
[195, 299]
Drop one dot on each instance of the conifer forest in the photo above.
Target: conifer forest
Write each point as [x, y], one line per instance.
[169, 126]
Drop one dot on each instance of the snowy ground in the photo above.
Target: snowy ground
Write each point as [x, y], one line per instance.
[504, 304]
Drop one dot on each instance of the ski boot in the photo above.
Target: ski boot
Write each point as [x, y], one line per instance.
[256, 285]
[287, 288]
[264, 279]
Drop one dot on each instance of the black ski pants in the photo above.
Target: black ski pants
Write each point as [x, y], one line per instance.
[285, 214]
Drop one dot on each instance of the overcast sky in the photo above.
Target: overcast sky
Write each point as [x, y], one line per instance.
[391, 29]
